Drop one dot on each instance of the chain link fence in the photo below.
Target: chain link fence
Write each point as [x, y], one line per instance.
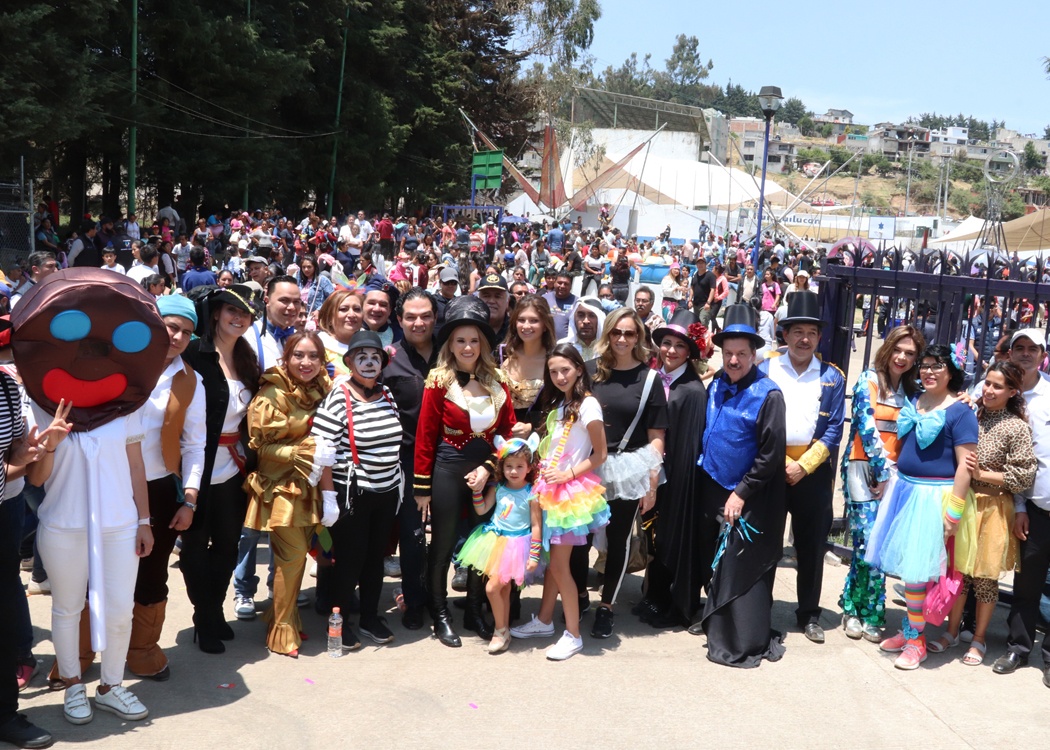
[16, 220]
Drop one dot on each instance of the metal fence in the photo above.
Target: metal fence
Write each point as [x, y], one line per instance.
[16, 219]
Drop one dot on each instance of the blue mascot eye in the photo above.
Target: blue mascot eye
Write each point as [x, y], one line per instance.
[131, 337]
[71, 325]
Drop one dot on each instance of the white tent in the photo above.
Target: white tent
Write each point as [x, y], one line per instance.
[968, 226]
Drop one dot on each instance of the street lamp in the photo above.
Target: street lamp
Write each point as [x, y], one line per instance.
[769, 99]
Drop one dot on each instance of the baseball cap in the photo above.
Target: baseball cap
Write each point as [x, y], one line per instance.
[448, 274]
[493, 281]
[255, 259]
[1034, 334]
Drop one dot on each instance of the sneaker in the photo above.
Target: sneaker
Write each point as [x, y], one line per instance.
[24, 672]
[391, 567]
[603, 623]
[585, 605]
[244, 607]
[312, 569]
[870, 633]
[302, 600]
[20, 732]
[534, 628]
[912, 656]
[377, 630]
[122, 702]
[459, 580]
[854, 628]
[894, 644]
[568, 645]
[38, 587]
[77, 708]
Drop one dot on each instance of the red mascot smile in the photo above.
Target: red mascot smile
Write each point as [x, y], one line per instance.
[84, 394]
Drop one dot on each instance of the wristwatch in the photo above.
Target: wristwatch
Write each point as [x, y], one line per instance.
[191, 506]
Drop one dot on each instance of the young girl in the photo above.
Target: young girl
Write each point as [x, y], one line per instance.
[568, 491]
[507, 549]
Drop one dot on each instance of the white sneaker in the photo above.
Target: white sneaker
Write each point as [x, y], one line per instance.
[302, 599]
[77, 708]
[392, 567]
[534, 628]
[35, 588]
[567, 646]
[244, 607]
[122, 702]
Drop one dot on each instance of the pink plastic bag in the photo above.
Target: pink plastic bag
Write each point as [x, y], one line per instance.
[942, 593]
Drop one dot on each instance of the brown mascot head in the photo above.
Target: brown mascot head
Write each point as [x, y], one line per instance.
[93, 338]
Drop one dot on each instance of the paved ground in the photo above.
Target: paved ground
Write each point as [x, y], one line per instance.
[639, 689]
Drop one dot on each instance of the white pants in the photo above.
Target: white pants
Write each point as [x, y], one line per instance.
[65, 556]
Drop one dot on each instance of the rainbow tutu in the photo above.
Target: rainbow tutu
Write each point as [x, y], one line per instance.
[572, 510]
[499, 555]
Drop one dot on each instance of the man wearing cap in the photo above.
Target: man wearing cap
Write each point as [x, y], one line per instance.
[258, 268]
[1031, 513]
[815, 393]
[448, 287]
[585, 324]
[173, 422]
[493, 292]
[742, 491]
[561, 302]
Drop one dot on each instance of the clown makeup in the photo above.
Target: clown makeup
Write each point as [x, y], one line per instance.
[674, 352]
[366, 363]
[305, 362]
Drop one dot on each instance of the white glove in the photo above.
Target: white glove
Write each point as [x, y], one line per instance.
[324, 452]
[330, 506]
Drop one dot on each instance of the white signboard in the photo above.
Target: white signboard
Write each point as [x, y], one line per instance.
[882, 227]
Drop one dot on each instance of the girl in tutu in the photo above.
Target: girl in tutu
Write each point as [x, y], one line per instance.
[507, 549]
[937, 432]
[569, 493]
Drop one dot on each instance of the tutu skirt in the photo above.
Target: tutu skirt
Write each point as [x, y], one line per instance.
[571, 510]
[499, 555]
[907, 539]
[985, 545]
[626, 475]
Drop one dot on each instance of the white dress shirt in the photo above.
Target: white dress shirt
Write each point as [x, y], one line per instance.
[193, 430]
[1038, 403]
[801, 397]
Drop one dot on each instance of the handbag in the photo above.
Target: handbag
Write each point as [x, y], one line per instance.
[606, 472]
[942, 593]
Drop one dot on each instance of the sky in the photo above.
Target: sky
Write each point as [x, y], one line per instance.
[881, 61]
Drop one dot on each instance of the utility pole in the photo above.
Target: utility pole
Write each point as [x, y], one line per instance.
[244, 203]
[338, 114]
[907, 191]
[133, 130]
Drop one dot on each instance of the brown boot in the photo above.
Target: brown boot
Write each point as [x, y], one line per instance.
[145, 657]
[87, 656]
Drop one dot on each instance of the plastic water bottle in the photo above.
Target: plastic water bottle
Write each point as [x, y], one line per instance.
[335, 634]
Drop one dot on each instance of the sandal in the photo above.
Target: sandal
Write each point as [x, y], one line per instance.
[975, 660]
[942, 644]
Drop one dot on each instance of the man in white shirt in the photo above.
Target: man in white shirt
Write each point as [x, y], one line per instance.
[815, 398]
[1031, 513]
[364, 227]
[173, 421]
[131, 227]
[174, 220]
[148, 256]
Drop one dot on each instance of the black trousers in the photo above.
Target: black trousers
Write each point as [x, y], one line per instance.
[618, 546]
[151, 587]
[209, 549]
[1028, 586]
[451, 499]
[359, 540]
[809, 503]
[12, 598]
[411, 543]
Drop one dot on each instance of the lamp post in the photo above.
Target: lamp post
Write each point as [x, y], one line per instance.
[769, 99]
[907, 190]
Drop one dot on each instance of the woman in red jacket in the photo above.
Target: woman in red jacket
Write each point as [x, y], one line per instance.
[465, 405]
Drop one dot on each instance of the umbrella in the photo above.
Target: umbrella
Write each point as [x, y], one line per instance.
[847, 246]
[514, 220]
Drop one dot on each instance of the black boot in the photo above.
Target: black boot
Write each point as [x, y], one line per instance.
[474, 618]
[204, 635]
[443, 628]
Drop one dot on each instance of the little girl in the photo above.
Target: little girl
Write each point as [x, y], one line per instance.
[571, 496]
[507, 549]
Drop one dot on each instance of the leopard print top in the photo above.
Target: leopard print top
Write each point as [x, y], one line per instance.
[1004, 444]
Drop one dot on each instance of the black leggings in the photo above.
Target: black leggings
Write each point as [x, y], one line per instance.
[359, 541]
[151, 586]
[450, 498]
[618, 546]
[209, 548]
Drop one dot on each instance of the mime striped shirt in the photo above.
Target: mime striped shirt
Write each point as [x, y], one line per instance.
[12, 425]
[377, 434]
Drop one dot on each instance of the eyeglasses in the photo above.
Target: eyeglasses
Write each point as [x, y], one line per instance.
[935, 367]
[617, 333]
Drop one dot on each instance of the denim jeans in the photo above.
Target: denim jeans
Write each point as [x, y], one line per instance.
[245, 580]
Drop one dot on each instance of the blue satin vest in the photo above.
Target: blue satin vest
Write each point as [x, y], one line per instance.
[730, 439]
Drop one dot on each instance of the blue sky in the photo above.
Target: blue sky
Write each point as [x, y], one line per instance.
[880, 61]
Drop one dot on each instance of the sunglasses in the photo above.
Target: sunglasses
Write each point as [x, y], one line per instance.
[617, 333]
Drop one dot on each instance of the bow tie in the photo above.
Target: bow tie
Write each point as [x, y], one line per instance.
[463, 378]
[279, 334]
[667, 380]
[927, 426]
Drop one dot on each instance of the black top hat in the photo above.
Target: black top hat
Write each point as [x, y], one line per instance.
[803, 307]
[681, 325]
[739, 323]
[365, 340]
[467, 310]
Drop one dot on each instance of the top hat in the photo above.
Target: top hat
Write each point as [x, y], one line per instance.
[686, 325]
[803, 307]
[467, 310]
[739, 323]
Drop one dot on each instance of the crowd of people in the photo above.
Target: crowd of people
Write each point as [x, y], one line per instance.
[440, 384]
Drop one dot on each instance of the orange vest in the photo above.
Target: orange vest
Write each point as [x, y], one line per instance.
[885, 423]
